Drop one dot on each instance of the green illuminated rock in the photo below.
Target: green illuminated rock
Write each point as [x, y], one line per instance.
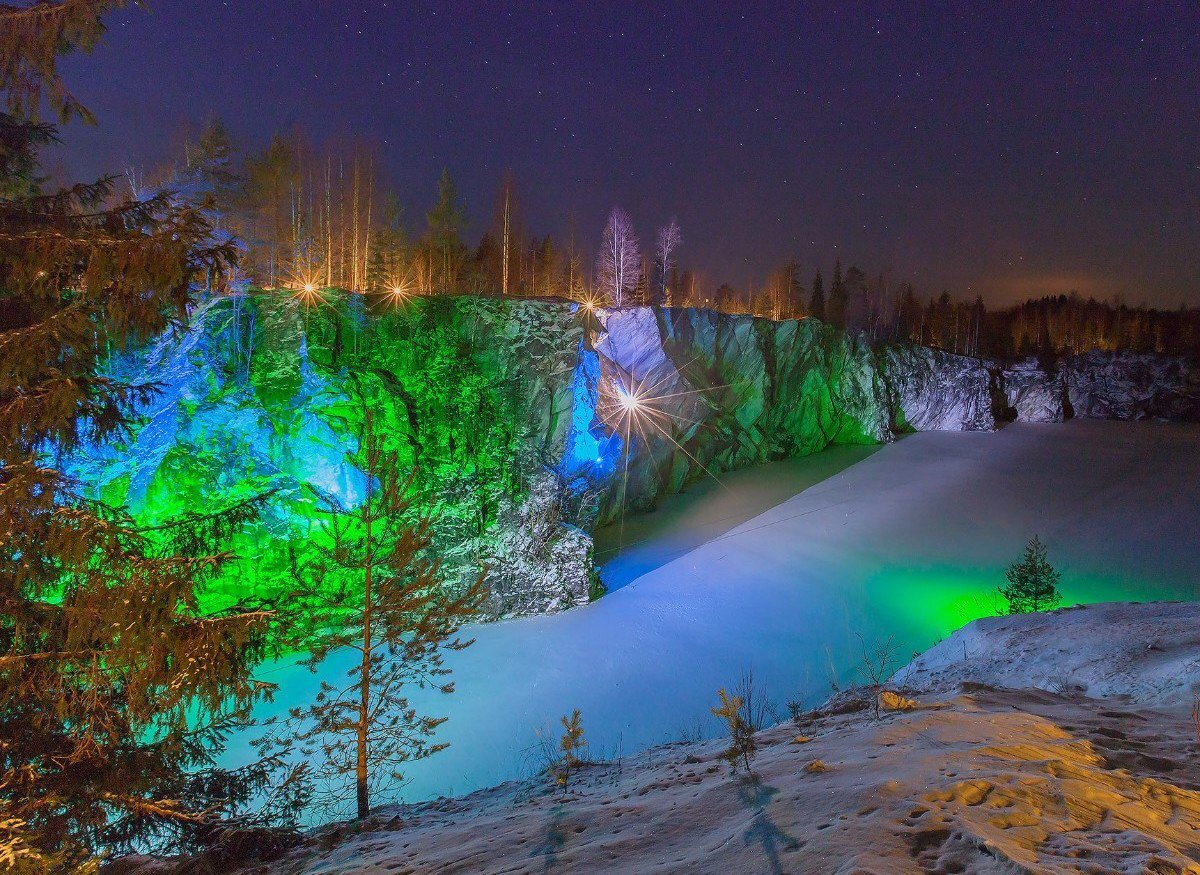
[502, 409]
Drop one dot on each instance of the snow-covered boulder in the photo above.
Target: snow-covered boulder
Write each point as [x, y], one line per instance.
[1147, 653]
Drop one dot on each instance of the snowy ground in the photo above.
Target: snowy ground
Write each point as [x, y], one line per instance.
[709, 509]
[975, 779]
[907, 544]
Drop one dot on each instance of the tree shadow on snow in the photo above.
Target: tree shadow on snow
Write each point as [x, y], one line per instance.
[762, 829]
[555, 840]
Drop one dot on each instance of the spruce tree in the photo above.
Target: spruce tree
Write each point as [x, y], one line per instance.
[446, 222]
[816, 304]
[113, 687]
[1032, 581]
[267, 199]
[212, 157]
[387, 269]
[835, 309]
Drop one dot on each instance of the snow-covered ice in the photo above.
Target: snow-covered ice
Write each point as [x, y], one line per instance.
[908, 543]
[971, 775]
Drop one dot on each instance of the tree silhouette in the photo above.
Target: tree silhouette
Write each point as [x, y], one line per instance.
[1032, 581]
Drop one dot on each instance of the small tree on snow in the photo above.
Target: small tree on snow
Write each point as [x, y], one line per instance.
[742, 746]
[376, 595]
[571, 745]
[619, 264]
[1032, 581]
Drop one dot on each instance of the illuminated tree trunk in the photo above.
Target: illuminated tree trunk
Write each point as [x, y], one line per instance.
[364, 713]
[328, 222]
[366, 256]
[504, 249]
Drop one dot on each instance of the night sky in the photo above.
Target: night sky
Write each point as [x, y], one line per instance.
[998, 148]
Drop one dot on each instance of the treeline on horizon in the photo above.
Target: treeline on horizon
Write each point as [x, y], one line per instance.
[322, 216]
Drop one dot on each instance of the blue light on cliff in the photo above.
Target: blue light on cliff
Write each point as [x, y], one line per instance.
[592, 452]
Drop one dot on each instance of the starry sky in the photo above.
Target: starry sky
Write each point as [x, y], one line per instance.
[1002, 149]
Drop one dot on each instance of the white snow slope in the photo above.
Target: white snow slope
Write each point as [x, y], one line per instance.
[907, 544]
[974, 780]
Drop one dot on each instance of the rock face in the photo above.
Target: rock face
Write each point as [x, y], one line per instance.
[933, 390]
[1032, 395]
[696, 392]
[528, 423]
[1104, 385]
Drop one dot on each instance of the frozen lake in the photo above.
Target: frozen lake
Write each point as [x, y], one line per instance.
[782, 568]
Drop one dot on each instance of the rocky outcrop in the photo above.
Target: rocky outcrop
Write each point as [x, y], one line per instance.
[1031, 394]
[933, 390]
[1104, 385]
[696, 392]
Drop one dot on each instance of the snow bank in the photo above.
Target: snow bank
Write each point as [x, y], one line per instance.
[1143, 653]
[994, 781]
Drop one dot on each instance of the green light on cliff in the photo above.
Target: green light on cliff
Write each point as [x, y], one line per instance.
[481, 399]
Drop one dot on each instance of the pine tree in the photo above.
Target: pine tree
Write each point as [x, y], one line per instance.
[114, 688]
[742, 746]
[570, 747]
[446, 222]
[1032, 581]
[372, 591]
[835, 308]
[816, 304]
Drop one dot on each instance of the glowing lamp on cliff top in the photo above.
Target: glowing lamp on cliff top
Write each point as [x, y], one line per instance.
[397, 293]
[305, 288]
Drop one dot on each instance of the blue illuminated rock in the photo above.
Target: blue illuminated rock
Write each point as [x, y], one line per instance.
[526, 423]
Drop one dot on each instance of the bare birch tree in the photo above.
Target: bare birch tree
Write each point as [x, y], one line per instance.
[669, 239]
[619, 264]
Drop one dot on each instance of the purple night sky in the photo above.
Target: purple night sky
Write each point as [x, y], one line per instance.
[1006, 149]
